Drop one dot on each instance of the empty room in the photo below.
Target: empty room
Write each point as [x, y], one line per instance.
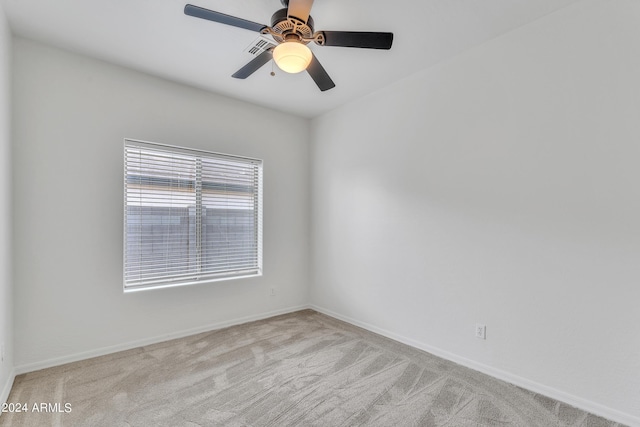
[320, 213]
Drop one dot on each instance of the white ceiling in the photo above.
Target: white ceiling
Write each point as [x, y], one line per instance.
[156, 37]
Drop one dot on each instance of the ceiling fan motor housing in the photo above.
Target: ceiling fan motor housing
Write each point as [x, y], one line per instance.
[287, 28]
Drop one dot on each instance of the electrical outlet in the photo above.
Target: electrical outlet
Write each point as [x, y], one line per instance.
[481, 331]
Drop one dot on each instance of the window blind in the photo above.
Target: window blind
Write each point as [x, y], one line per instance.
[190, 216]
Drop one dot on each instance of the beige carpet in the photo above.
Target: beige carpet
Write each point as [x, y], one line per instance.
[300, 369]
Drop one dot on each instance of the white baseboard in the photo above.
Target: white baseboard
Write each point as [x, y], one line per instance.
[36, 366]
[4, 395]
[578, 402]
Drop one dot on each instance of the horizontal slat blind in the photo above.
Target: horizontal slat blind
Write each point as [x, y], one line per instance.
[190, 216]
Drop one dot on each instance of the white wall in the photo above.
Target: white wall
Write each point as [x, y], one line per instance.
[501, 187]
[71, 114]
[6, 286]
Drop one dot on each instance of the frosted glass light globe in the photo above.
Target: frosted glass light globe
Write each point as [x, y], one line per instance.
[292, 57]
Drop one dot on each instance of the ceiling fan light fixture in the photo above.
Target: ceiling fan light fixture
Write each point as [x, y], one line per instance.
[292, 28]
[292, 56]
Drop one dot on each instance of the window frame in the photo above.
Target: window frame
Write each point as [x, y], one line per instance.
[197, 154]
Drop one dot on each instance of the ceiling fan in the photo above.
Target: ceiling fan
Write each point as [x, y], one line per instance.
[292, 29]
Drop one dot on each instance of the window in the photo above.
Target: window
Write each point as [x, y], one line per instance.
[189, 216]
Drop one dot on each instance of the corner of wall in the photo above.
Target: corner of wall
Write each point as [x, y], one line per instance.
[6, 389]
[7, 373]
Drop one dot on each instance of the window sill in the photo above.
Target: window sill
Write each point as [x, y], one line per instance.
[133, 289]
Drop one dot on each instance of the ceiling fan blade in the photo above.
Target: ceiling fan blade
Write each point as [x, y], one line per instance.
[362, 39]
[300, 9]
[319, 75]
[253, 65]
[200, 12]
